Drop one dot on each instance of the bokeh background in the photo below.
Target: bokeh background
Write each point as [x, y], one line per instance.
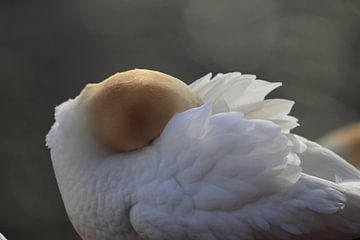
[50, 49]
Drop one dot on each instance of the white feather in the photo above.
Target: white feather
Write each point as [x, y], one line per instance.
[2, 237]
[323, 163]
[246, 94]
[242, 184]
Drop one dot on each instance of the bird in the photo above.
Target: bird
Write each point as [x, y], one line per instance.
[142, 155]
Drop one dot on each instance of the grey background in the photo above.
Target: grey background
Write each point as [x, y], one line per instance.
[50, 49]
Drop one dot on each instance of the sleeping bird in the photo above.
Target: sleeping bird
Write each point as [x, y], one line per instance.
[142, 155]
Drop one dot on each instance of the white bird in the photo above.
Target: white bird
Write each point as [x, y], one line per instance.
[142, 155]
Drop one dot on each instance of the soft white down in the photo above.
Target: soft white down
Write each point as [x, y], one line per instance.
[229, 169]
[2, 237]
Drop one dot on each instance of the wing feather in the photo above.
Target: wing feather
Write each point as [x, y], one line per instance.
[238, 182]
[237, 175]
[245, 93]
[323, 163]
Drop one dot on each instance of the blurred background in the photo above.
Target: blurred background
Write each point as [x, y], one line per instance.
[50, 49]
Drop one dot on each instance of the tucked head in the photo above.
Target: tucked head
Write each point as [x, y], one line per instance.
[130, 109]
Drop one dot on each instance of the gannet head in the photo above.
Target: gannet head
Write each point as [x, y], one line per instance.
[130, 109]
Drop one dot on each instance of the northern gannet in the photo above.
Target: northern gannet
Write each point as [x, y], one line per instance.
[142, 155]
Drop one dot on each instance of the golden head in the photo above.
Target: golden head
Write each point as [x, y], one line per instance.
[130, 109]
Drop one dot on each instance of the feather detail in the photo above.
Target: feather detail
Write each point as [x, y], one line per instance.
[244, 173]
[323, 163]
[245, 93]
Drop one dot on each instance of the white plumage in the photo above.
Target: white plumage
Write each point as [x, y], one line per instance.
[228, 169]
[2, 237]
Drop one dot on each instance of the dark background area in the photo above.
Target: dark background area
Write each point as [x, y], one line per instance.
[50, 49]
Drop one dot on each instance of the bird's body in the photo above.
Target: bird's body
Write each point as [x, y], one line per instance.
[228, 169]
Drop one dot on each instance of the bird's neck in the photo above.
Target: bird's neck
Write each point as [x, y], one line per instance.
[95, 190]
[97, 187]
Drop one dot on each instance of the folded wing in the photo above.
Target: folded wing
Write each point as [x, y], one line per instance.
[226, 177]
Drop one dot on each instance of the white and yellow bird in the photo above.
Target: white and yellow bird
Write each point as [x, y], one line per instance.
[142, 155]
